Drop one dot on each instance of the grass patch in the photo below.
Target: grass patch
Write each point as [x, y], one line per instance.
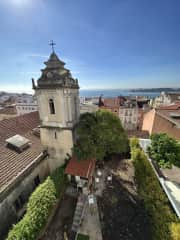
[82, 237]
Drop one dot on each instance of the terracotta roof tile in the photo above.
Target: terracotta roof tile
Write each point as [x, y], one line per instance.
[10, 110]
[174, 106]
[83, 168]
[111, 102]
[168, 115]
[12, 162]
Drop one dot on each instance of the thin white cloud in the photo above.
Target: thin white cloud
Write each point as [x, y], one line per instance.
[37, 55]
[17, 88]
[75, 72]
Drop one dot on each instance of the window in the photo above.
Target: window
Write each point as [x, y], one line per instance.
[51, 106]
[20, 201]
[17, 205]
[55, 135]
[37, 181]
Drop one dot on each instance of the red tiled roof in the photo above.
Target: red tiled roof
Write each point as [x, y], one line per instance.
[83, 168]
[111, 102]
[10, 110]
[11, 162]
[18, 125]
[175, 106]
[165, 113]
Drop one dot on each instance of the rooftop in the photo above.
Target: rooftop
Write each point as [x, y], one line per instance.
[13, 163]
[83, 168]
[9, 110]
[168, 115]
[174, 106]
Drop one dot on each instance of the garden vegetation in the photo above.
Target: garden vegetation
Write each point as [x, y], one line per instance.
[164, 223]
[100, 134]
[164, 150]
[39, 206]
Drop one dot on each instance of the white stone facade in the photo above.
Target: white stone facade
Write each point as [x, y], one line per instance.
[129, 118]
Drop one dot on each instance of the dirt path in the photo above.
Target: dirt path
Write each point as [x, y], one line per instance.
[122, 213]
[62, 219]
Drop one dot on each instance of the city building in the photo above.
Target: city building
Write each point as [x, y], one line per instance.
[84, 108]
[8, 112]
[81, 173]
[110, 104]
[23, 166]
[166, 98]
[128, 114]
[25, 104]
[165, 119]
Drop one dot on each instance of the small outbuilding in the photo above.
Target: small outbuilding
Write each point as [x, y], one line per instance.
[80, 172]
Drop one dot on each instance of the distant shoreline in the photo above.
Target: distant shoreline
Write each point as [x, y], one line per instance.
[136, 89]
[146, 92]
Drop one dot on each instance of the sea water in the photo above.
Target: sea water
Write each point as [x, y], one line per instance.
[117, 92]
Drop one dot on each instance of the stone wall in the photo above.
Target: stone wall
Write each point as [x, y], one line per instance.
[154, 123]
[162, 125]
[148, 121]
[58, 142]
[22, 186]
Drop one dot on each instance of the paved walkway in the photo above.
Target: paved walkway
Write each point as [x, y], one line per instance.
[91, 223]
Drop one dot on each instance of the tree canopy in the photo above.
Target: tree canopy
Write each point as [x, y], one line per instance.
[100, 134]
[165, 150]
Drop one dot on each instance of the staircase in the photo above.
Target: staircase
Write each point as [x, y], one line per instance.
[81, 204]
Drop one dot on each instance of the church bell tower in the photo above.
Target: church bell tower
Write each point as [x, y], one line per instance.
[57, 95]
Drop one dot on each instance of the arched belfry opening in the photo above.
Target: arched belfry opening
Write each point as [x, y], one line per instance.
[51, 106]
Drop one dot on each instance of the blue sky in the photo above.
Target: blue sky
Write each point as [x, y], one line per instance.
[105, 43]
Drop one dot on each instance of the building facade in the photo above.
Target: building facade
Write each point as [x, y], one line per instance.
[129, 117]
[21, 169]
[57, 95]
[165, 120]
[165, 99]
[26, 104]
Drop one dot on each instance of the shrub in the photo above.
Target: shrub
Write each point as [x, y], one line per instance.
[165, 150]
[39, 206]
[59, 179]
[162, 218]
[175, 230]
[100, 134]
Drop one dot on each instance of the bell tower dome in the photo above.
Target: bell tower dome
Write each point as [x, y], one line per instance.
[57, 95]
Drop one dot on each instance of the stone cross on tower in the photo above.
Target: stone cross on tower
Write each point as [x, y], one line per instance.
[52, 44]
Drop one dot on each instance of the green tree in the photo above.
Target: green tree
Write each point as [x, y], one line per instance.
[100, 134]
[165, 150]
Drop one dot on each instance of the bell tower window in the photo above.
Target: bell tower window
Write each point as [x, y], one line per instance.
[51, 106]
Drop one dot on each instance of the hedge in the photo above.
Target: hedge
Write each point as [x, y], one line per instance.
[39, 207]
[164, 222]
